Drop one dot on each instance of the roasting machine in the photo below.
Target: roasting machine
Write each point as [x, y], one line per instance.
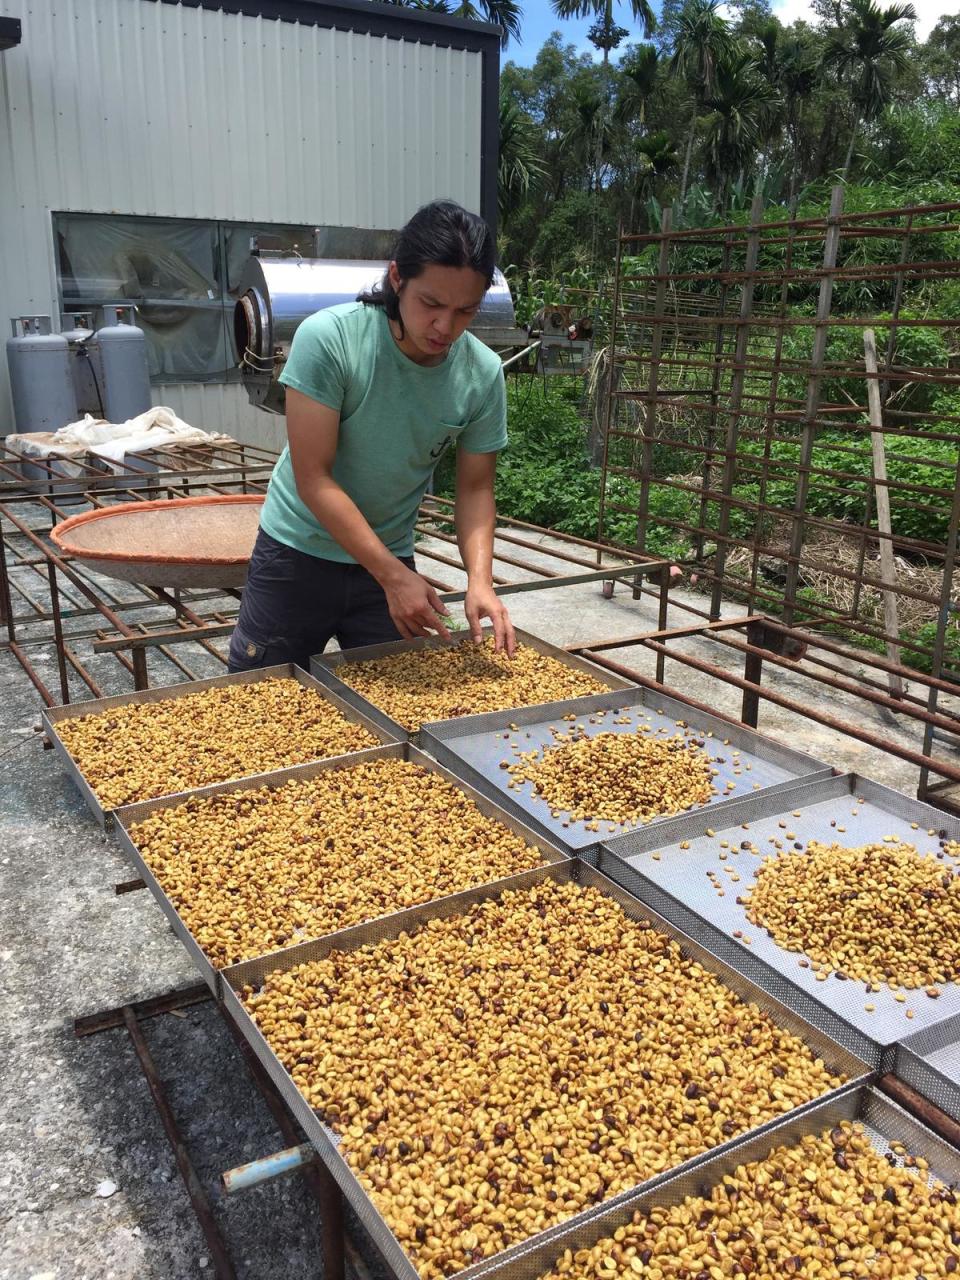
[279, 290]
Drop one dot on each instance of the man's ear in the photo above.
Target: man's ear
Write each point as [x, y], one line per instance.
[393, 275]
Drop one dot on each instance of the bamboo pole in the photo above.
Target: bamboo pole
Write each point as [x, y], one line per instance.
[888, 568]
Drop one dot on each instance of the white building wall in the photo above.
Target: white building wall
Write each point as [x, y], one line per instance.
[155, 109]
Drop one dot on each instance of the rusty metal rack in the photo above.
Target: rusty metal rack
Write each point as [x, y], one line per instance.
[810, 473]
[50, 605]
[339, 1250]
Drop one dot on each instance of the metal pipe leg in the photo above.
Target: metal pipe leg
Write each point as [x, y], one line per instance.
[222, 1264]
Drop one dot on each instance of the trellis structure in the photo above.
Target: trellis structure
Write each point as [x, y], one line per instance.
[747, 422]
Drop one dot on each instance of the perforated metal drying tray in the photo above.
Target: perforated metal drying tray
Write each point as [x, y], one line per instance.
[325, 1140]
[475, 748]
[677, 886]
[929, 1061]
[130, 815]
[883, 1123]
[327, 667]
[54, 716]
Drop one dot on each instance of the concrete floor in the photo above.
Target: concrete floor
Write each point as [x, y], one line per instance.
[88, 1184]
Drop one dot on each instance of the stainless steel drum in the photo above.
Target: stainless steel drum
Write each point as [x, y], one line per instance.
[277, 293]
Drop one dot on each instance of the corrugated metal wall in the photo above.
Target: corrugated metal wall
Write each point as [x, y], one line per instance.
[137, 107]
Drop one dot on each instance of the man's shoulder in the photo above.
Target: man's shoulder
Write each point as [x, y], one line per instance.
[484, 364]
[342, 317]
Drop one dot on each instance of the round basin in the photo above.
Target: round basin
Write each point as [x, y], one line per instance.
[177, 542]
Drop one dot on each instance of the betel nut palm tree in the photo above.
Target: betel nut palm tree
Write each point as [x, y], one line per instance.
[701, 42]
[869, 49]
[741, 103]
[506, 14]
[519, 162]
[605, 34]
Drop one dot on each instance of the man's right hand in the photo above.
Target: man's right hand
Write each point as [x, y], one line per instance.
[414, 605]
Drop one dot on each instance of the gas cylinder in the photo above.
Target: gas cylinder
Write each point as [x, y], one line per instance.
[84, 362]
[40, 378]
[125, 385]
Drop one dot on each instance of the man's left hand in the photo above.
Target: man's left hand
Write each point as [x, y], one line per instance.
[483, 602]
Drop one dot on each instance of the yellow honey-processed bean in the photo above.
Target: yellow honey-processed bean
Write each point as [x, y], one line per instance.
[419, 685]
[876, 913]
[146, 749]
[828, 1207]
[252, 871]
[619, 777]
[541, 1045]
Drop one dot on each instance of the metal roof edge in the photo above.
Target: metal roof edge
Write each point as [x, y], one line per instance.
[365, 16]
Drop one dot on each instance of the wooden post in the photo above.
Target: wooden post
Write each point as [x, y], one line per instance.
[808, 435]
[888, 568]
[734, 402]
[649, 398]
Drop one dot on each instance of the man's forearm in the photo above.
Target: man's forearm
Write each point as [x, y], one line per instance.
[475, 516]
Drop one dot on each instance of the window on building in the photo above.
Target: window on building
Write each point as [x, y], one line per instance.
[183, 277]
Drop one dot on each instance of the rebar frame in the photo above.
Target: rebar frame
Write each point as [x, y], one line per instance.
[337, 1246]
[50, 601]
[739, 393]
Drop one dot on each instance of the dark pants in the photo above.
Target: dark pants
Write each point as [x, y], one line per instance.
[294, 603]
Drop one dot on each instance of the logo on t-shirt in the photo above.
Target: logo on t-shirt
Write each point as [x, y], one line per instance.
[441, 449]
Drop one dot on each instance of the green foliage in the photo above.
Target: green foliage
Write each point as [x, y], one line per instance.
[926, 635]
[909, 463]
[544, 475]
[568, 230]
[533, 292]
[745, 103]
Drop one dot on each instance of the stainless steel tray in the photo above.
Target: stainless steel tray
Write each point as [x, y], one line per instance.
[474, 747]
[883, 1122]
[929, 1061]
[130, 815]
[326, 667]
[676, 885]
[325, 1140]
[53, 716]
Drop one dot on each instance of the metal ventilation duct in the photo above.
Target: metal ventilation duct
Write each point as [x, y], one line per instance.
[277, 293]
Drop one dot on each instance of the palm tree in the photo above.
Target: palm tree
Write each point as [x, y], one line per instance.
[788, 61]
[869, 52]
[592, 130]
[658, 156]
[519, 164]
[797, 75]
[506, 14]
[740, 104]
[605, 34]
[638, 78]
[701, 42]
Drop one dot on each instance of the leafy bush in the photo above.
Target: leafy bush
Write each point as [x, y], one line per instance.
[909, 461]
[544, 475]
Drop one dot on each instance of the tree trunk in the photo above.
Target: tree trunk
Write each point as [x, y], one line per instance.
[686, 159]
[853, 135]
[826, 142]
[793, 168]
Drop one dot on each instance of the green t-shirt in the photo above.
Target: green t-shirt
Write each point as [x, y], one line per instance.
[396, 419]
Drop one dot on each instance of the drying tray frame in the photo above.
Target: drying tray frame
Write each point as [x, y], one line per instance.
[51, 717]
[686, 898]
[883, 1120]
[440, 739]
[129, 815]
[325, 1140]
[325, 667]
[939, 1081]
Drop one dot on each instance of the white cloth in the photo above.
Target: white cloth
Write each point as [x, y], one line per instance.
[157, 428]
